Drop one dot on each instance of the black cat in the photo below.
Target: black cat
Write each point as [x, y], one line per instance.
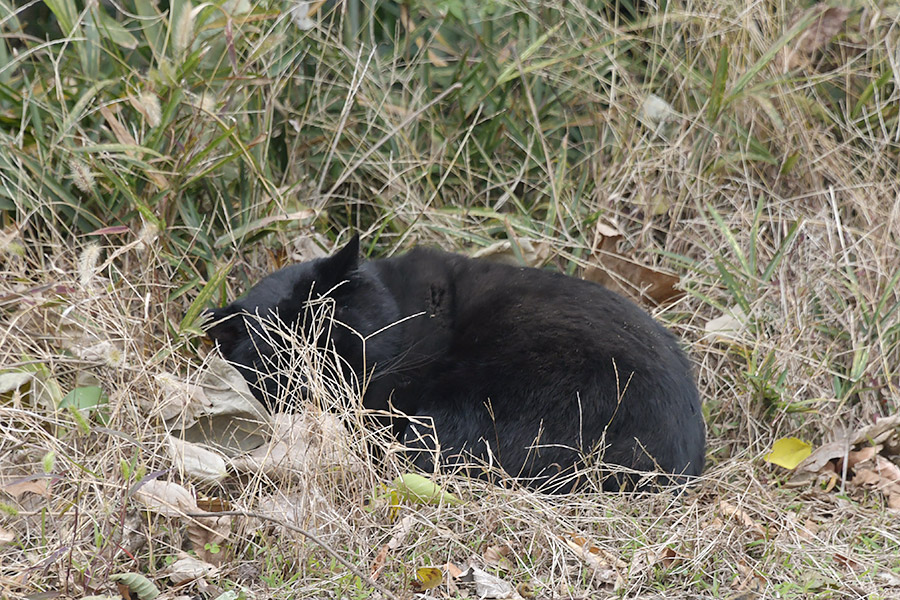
[520, 367]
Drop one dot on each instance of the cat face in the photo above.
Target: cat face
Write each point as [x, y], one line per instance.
[329, 303]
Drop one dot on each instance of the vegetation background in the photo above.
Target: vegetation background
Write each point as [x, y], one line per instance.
[733, 165]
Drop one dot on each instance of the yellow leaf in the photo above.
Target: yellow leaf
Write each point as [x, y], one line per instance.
[429, 577]
[788, 452]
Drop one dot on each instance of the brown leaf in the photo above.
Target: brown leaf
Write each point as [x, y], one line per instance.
[622, 274]
[378, 562]
[879, 431]
[815, 37]
[453, 570]
[822, 456]
[820, 32]
[866, 478]
[861, 456]
[847, 561]
[207, 535]
[606, 565]
[498, 555]
[894, 500]
[29, 485]
[632, 279]
[733, 512]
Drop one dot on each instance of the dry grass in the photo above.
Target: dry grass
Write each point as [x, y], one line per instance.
[783, 203]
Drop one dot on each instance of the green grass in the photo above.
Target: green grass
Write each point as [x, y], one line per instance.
[154, 162]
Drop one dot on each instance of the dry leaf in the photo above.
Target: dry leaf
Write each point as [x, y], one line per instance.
[453, 570]
[606, 565]
[188, 568]
[488, 586]
[632, 279]
[378, 562]
[498, 556]
[195, 461]
[207, 535]
[737, 514]
[34, 484]
[847, 561]
[878, 432]
[823, 455]
[165, 497]
[728, 327]
[621, 274]
[12, 380]
[221, 411]
[533, 254]
[6, 536]
[815, 37]
[312, 441]
[861, 456]
[894, 501]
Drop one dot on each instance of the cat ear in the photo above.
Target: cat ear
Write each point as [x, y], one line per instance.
[225, 327]
[345, 260]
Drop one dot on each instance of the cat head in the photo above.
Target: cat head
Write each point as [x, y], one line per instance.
[328, 303]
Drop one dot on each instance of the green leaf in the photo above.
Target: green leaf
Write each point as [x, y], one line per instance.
[421, 490]
[788, 452]
[717, 89]
[203, 298]
[118, 34]
[84, 397]
[138, 584]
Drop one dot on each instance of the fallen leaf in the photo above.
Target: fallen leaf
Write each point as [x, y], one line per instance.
[894, 500]
[656, 112]
[378, 562]
[311, 441]
[522, 251]
[196, 461]
[207, 534]
[605, 564]
[816, 36]
[737, 514]
[488, 586]
[428, 578]
[138, 584]
[862, 456]
[221, 411]
[526, 590]
[33, 484]
[632, 279]
[621, 274]
[6, 536]
[847, 561]
[878, 432]
[498, 556]
[165, 497]
[728, 327]
[823, 455]
[12, 380]
[188, 568]
[788, 452]
[453, 570]
[417, 489]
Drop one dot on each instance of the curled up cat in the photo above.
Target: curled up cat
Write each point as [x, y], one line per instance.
[544, 375]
